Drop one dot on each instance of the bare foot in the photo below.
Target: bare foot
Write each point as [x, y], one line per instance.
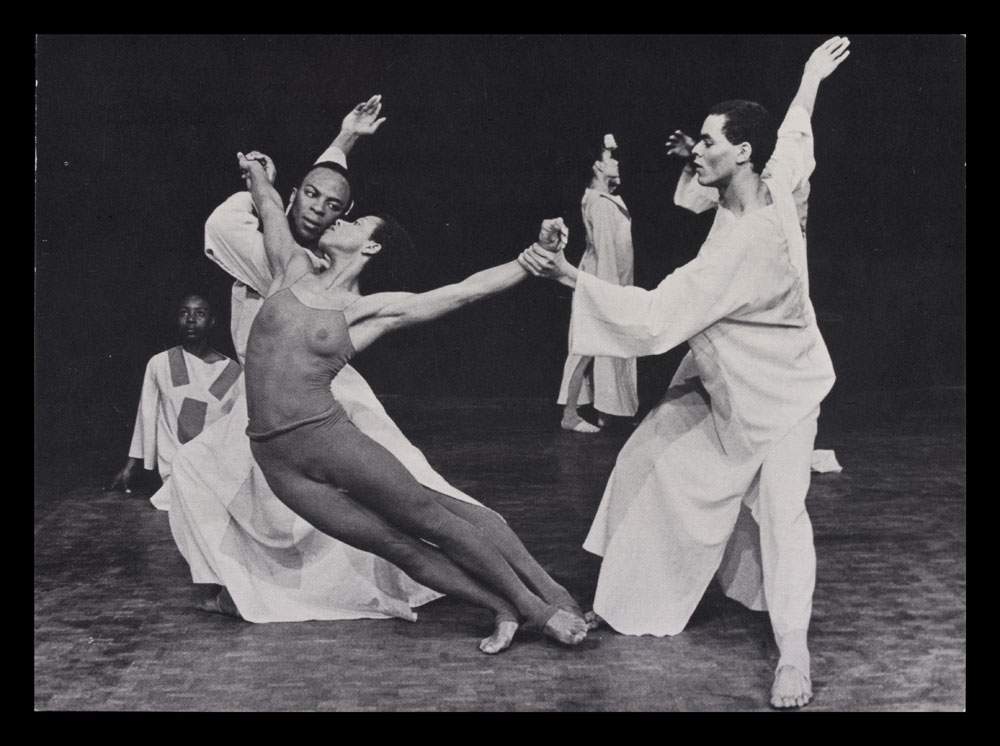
[500, 640]
[562, 599]
[222, 603]
[593, 620]
[578, 425]
[566, 627]
[791, 688]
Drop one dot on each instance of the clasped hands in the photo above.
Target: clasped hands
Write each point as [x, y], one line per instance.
[545, 257]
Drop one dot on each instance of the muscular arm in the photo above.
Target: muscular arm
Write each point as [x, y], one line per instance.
[374, 315]
[279, 246]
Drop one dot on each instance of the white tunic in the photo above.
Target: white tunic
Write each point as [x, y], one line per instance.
[181, 395]
[757, 371]
[611, 384]
[227, 522]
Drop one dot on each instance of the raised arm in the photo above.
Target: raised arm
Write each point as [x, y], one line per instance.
[279, 246]
[362, 120]
[374, 315]
[792, 162]
[823, 61]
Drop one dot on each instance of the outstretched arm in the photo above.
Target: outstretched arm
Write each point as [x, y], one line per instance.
[374, 315]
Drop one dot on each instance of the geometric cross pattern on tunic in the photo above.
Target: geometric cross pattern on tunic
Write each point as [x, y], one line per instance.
[225, 381]
[191, 418]
[178, 368]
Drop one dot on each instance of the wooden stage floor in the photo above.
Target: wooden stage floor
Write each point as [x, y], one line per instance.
[116, 626]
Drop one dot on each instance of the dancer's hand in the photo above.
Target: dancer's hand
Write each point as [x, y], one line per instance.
[827, 57]
[553, 235]
[265, 160]
[255, 162]
[680, 145]
[124, 477]
[364, 119]
[542, 262]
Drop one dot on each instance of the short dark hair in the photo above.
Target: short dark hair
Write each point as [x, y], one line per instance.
[332, 165]
[589, 154]
[391, 266]
[202, 296]
[337, 169]
[748, 121]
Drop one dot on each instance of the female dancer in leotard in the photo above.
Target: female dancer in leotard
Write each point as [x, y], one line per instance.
[343, 482]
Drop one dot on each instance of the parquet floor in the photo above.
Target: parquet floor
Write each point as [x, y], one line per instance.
[116, 626]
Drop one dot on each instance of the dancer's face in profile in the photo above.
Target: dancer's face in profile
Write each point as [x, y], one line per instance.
[320, 199]
[194, 318]
[608, 167]
[715, 158]
[349, 237]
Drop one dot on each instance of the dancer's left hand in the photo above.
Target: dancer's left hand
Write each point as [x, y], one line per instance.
[364, 119]
[827, 57]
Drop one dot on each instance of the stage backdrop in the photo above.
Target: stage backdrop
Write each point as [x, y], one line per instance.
[137, 139]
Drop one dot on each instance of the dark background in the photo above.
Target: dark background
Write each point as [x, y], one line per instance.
[136, 144]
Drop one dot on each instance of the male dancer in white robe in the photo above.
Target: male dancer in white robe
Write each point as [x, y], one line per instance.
[738, 423]
[611, 384]
[185, 389]
[225, 520]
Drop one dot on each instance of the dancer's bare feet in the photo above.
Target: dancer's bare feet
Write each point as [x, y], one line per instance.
[578, 425]
[222, 603]
[792, 688]
[500, 640]
[565, 627]
[594, 620]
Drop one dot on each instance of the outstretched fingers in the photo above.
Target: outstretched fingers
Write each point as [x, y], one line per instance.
[828, 56]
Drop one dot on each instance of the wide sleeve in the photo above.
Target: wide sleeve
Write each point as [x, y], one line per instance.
[793, 162]
[144, 434]
[613, 321]
[692, 196]
[612, 244]
[335, 154]
[234, 242]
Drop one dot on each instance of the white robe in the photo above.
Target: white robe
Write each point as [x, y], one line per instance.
[181, 395]
[611, 382]
[735, 428]
[226, 521]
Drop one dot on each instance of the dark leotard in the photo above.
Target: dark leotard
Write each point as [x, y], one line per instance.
[293, 353]
[298, 432]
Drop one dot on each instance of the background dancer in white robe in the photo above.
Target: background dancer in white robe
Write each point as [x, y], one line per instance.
[611, 382]
[227, 523]
[185, 389]
[738, 423]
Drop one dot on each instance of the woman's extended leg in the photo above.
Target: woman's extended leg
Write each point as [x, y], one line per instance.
[339, 454]
[512, 549]
[336, 514]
